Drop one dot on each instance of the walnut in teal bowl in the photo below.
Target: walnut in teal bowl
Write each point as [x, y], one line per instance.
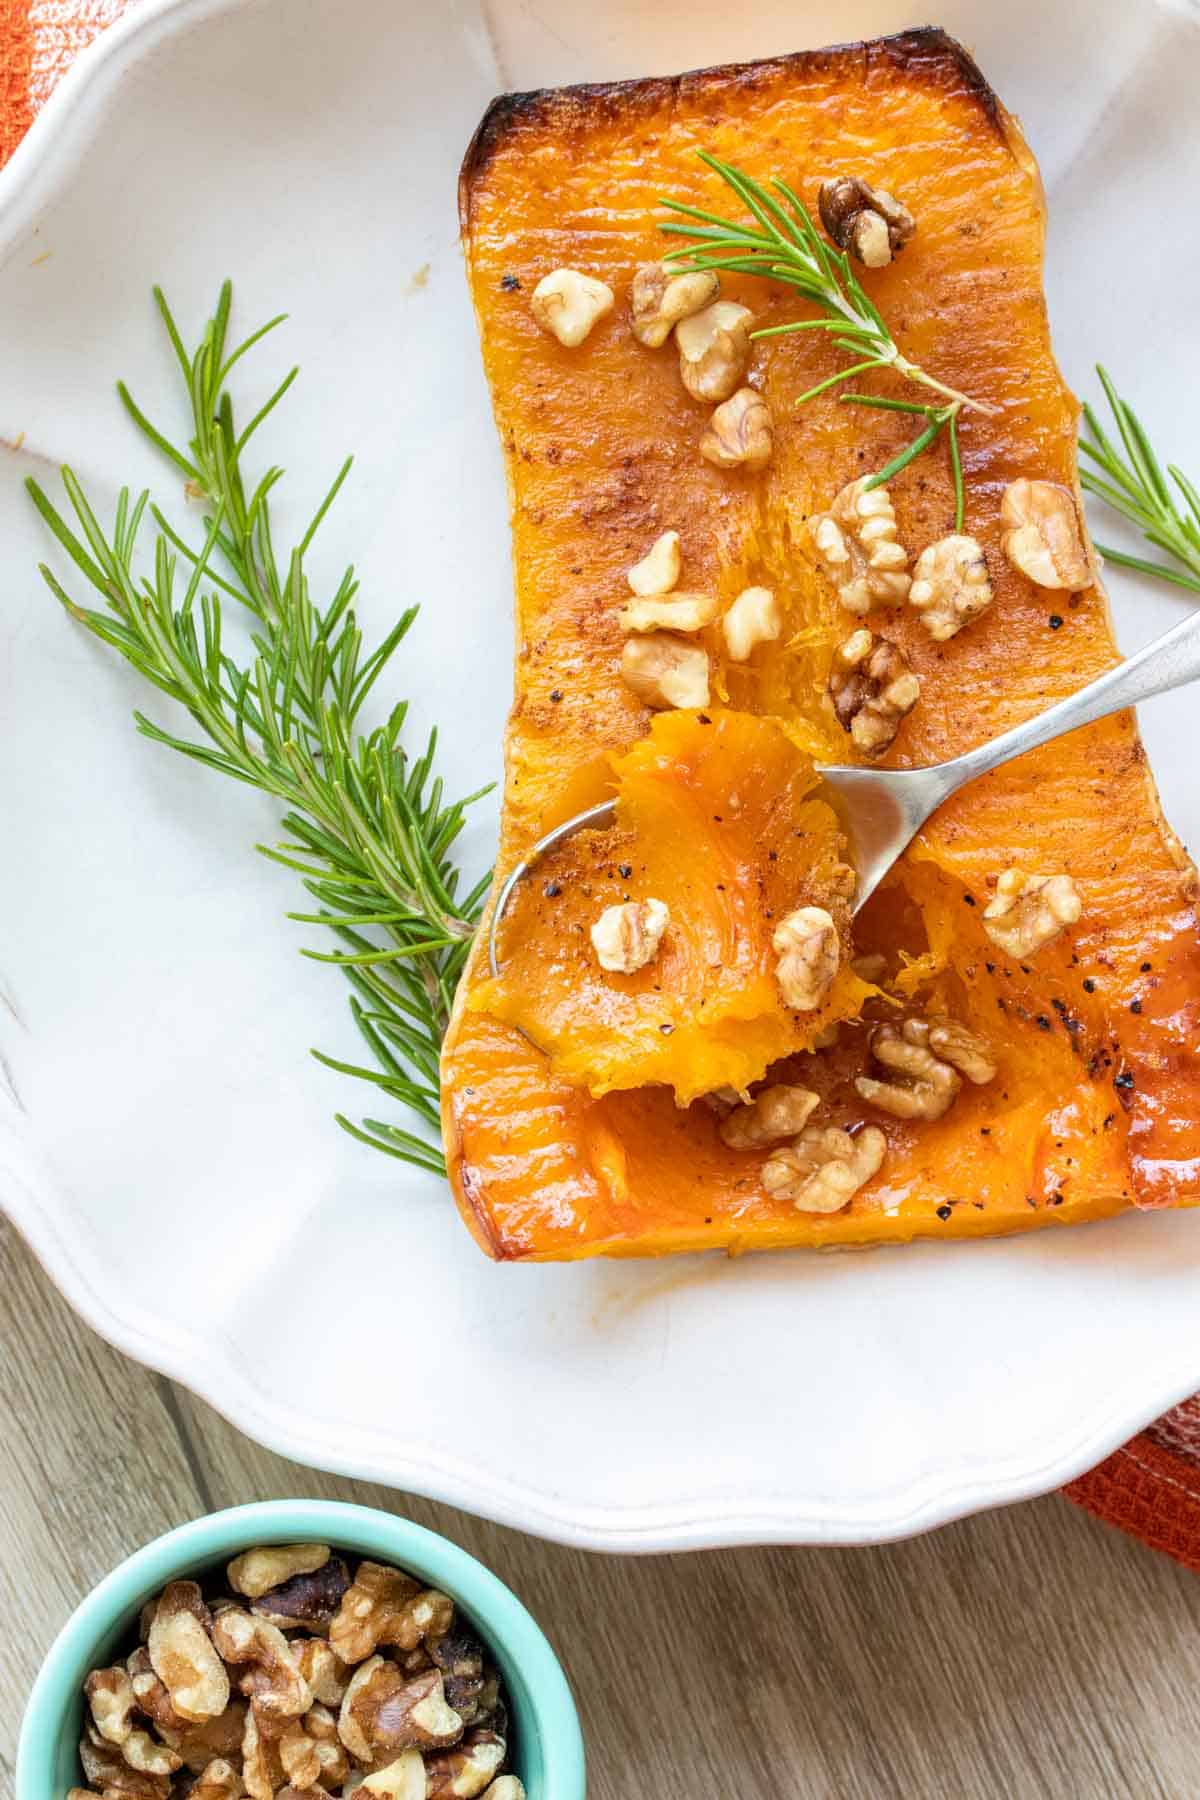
[547, 1747]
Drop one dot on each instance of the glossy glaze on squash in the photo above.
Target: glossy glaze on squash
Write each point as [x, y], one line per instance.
[729, 862]
[1096, 1106]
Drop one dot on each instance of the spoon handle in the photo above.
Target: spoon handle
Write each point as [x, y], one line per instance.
[1170, 661]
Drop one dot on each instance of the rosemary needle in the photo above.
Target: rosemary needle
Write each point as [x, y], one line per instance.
[1163, 504]
[370, 832]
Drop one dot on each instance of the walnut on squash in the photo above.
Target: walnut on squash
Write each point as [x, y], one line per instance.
[754, 618]
[1030, 911]
[661, 296]
[872, 689]
[950, 585]
[567, 305]
[868, 222]
[1042, 538]
[627, 937]
[740, 433]
[858, 545]
[808, 951]
[665, 671]
[823, 1170]
[775, 1113]
[926, 1060]
[714, 350]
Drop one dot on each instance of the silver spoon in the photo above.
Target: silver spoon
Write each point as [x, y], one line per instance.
[883, 809]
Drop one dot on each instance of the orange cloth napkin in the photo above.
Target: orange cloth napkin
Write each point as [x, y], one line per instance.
[1150, 1488]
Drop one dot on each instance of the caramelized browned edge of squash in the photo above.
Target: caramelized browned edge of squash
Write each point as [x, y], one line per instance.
[1098, 1107]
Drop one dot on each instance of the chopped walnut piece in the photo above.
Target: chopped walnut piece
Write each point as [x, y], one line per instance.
[808, 952]
[776, 1113]
[256, 1572]
[298, 1754]
[661, 297]
[326, 1674]
[321, 1727]
[950, 585]
[824, 1168]
[740, 433]
[198, 1743]
[859, 548]
[665, 671]
[872, 689]
[1042, 538]
[403, 1779]
[112, 1703]
[107, 1771]
[262, 1770]
[567, 305]
[384, 1710]
[926, 1059]
[471, 1689]
[217, 1780]
[659, 569]
[272, 1680]
[465, 1772]
[1030, 911]
[714, 350]
[868, 222]
[626, 937]
[669, 612]
[754, 618]
[182, 1653]
[372, 1610]
[307, 1600]
[505, 1787]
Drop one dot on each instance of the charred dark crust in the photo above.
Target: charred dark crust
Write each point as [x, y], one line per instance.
[926, 54]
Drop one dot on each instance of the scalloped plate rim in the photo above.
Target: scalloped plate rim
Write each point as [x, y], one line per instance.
[42, 166]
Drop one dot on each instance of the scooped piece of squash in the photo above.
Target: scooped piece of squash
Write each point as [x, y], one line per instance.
[715, 818]
[1095, 1106]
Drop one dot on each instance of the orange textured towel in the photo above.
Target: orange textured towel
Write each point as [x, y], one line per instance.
[1150, 1488]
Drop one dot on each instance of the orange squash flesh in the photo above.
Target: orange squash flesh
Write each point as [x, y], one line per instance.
[707, 1012]
[1096, 1106]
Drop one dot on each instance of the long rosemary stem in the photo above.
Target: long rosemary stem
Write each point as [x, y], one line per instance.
[368, 828]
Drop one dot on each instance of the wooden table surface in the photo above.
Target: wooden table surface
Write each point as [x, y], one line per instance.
[1029, 1652]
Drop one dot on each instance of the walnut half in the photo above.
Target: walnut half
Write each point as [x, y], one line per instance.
[661, 296]
[872, 689]
[808, 952]
[1030, 911]
[824, 1168]
[868, 222]
[714, 350]
[925, 1060]
[1042, 538]
[740, 433]
[626, 938]
[950, 585]
[665, 671]
[858, 545]
[776, 1113]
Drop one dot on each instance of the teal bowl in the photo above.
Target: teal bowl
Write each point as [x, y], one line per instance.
[547, 1743]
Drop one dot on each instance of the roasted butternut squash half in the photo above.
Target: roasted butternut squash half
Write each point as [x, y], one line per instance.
[1006, 1036]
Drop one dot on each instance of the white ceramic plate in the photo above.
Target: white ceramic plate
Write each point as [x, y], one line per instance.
[172, 1155]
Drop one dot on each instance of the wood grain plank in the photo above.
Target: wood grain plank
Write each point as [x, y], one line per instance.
[1025, 1654]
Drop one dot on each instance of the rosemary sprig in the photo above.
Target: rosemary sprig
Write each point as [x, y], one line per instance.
[369, 829]
[940, 418]
[787, 247]
[1136, 485]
